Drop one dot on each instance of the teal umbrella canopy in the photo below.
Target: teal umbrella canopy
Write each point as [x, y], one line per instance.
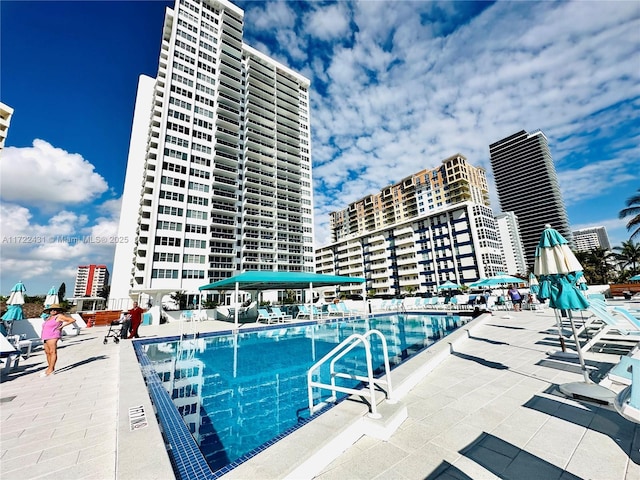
[52, 297]
[16, 297]
[553, 255]
[559, 271]
[449, 285]
[635, 278]
[14, 312]
[500, 279]
[477, 283]
[14, 306]
[258, 280]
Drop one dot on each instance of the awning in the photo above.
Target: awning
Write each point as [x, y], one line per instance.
[257, 280]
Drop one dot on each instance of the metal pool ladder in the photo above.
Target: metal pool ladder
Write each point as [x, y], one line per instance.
[335, 355]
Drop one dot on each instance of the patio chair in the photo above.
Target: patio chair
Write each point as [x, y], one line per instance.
[344, 309]
[265, 316]
[612, 328]
[620, 373]
[9, 355]
[334, 311]
[280, 316]
[303, 312]
[319, 314]
[627, 402]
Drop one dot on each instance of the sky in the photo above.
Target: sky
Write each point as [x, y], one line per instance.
[396, 87]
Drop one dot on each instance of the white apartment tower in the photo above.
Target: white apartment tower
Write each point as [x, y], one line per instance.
[90, 280]
[587, 239]
[218, 177]
[433, 226]
[5, 119]
[511, 243]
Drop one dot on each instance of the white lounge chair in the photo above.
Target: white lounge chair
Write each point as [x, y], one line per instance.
[344, 309]
[610, 325]
[265, 316]
[627, 402]
[280, 315]
[9, 355]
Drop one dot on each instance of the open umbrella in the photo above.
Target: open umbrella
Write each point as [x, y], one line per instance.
[500, 279]
[14, 306]
[449, 285]
[559, 271]
[52, 297]
[635, 278]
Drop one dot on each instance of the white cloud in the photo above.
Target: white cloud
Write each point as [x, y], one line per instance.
[45, 231]
[401, 97]
[328, 23]
[46, 176]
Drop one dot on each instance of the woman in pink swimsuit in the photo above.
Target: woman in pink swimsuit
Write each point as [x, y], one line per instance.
[51, 333]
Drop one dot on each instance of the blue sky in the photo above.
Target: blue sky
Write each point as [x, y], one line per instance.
[396, 87]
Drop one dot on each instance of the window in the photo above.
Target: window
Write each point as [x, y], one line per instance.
[164, 273]
[168, 241]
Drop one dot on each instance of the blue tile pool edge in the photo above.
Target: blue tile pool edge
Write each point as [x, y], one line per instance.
[184, 453]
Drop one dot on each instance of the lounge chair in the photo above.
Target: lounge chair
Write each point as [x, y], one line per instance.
[611, 325]
[319, 314]
[303, 312]
[9, 355]
[627, 402]
[621, 372]
[344, 309]
[265, 316]
[280, 315]
[334, 311]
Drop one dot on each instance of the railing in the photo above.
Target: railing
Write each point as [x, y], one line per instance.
[336, 354]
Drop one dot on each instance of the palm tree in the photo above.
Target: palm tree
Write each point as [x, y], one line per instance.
[628, 254]
[632, 210]
[600, 259]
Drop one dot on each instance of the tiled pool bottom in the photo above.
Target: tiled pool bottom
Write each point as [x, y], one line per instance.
[187, 460]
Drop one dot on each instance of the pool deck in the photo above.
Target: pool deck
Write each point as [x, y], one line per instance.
[488, 409]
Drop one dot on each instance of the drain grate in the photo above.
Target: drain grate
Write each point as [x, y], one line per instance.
[137, 418]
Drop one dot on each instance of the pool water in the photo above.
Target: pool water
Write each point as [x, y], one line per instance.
[237, 392]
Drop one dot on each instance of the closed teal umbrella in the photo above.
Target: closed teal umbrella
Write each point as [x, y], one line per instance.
[52, 297]
[534, 285]
[14, 306]
[559, 272]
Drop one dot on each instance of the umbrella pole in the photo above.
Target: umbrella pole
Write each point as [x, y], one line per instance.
[559, 325]
[585, 374]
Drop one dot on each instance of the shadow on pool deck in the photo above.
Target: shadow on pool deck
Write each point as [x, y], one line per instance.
[464, 412]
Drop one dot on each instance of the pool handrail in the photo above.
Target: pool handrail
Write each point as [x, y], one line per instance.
[337, 353]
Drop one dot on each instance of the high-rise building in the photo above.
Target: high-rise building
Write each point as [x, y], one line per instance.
[527, 185]
[587, 239]
[218, 177]
[90, 280]
[433, 226]
[427, 191]
[511, 243]
[5, 119]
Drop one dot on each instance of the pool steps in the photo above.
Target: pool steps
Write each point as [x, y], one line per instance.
[306, 452]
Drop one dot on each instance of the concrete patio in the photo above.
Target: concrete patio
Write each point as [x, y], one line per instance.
[491, 409]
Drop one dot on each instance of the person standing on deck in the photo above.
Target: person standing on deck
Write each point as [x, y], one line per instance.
[136, 319]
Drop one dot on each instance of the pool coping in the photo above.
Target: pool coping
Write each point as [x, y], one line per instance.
[315, 443]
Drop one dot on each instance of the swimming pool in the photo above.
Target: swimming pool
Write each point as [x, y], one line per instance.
[236, 394]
